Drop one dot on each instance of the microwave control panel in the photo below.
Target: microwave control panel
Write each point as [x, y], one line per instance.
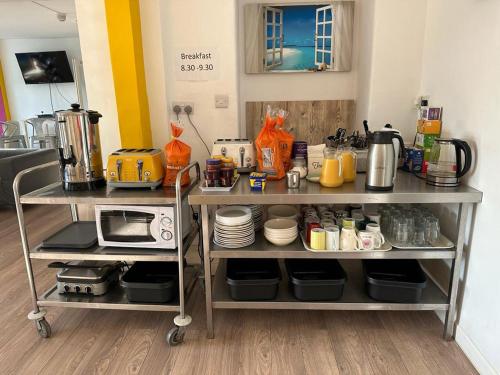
[167, 228]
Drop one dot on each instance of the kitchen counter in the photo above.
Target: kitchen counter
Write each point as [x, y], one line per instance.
[408, 189]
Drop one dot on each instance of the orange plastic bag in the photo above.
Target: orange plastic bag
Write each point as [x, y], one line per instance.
[178, 156]
[286, 140]
[268, 150]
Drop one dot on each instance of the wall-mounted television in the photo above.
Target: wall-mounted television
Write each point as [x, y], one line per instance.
[45, 67]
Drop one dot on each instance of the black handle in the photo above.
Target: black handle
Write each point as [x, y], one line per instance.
[401, 142]
[459, 147]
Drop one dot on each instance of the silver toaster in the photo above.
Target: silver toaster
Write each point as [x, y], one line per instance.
[241, 150]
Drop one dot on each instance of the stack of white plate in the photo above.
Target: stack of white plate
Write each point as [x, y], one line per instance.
[281, 232]
[234, 227]
[257, 216]
[283, 211]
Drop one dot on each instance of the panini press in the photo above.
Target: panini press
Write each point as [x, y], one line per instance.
[86, 277]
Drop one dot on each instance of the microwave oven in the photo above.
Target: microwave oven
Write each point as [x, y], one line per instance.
[150, 227]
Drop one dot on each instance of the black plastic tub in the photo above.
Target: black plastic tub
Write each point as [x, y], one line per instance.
[316, 279]
[253, 279]
[151, 282]
[394, 280]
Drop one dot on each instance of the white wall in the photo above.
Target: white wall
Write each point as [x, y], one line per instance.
[26, 101]
[196, 23]
[93, 33]
[461, 72]
[389, 79]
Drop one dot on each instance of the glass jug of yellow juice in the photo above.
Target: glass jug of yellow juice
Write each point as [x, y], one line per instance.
[349, 161]
[331, 171]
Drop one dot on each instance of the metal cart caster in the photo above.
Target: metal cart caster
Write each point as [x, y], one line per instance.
[176, 336]
[43, 328]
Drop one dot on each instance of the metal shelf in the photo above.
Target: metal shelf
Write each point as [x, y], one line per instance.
[114, 299]
[262, 248]
[125, 254]
[354, 297]
[407, 189]
[55, 194]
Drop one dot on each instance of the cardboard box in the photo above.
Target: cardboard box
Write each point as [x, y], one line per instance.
[429, 126]
[425, 141]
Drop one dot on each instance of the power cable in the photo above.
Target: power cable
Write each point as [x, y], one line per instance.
[62, 96]
[197, 132]
[51, 102]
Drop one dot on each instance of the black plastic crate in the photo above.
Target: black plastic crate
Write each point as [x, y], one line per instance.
[151, 282]
[316, 279]
[253, 279]
[394, 280]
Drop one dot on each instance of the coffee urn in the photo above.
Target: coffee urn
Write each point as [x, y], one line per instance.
[80, 149]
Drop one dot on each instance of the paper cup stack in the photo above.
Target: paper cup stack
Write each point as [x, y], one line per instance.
[234, 227]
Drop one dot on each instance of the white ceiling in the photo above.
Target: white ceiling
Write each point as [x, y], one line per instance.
[24, 19]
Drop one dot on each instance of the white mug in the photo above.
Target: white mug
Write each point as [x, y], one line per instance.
[348, 239]
[368, 240]
[373, 216]
[375, 228]
[332, 237]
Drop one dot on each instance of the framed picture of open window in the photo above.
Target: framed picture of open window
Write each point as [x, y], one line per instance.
[305, 37]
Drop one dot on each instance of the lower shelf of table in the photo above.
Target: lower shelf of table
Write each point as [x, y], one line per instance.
[354, 297]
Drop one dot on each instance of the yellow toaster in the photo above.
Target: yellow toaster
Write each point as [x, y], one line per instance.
[135, 168]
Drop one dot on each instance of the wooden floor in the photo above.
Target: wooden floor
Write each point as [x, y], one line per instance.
[246, 342]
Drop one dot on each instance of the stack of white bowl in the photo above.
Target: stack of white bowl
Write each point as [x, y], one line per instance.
[234, 227]
[283, 211]
[281, 232]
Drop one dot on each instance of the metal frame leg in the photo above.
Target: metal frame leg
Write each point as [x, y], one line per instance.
[207, 271]
[74, 212]
[449, 325]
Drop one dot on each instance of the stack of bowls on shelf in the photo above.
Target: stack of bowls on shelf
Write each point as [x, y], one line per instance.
[283, 211]
[234, 227]
[281, 232]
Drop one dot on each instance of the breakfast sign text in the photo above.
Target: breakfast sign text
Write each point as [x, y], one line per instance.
[196, 64]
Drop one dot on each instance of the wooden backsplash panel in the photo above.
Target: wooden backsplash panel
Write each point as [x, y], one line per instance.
[311, 121]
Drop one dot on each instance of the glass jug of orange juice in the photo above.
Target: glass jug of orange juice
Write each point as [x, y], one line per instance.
[349, 161]
[331, 171]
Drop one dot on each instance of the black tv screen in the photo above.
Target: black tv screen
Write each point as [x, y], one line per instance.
[45, 67]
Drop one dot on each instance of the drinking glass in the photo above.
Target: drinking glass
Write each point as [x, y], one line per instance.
[419, 235]
[402, 234]
[432, 229]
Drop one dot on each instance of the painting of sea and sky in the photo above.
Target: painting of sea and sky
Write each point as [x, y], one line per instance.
[291, 38]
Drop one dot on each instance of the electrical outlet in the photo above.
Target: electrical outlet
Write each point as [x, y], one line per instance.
[182, 105]
[221, 101]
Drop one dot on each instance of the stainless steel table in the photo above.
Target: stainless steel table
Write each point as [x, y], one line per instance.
[115, 298]
[408, 189]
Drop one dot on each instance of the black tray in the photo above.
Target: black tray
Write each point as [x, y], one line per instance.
[253, 279]
[77, 235]
[316, 279]
[151, 282]
[394, 280]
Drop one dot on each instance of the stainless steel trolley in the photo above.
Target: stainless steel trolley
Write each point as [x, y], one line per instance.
[54, 194]
[408, 189]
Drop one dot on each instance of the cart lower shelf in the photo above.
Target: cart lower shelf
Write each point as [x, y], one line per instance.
[354, 297]
[115, 298]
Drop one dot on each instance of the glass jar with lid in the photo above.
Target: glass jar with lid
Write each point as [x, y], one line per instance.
[331, 171]
[299, 165]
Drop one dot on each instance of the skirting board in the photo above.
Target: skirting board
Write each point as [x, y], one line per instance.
[470, 349]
